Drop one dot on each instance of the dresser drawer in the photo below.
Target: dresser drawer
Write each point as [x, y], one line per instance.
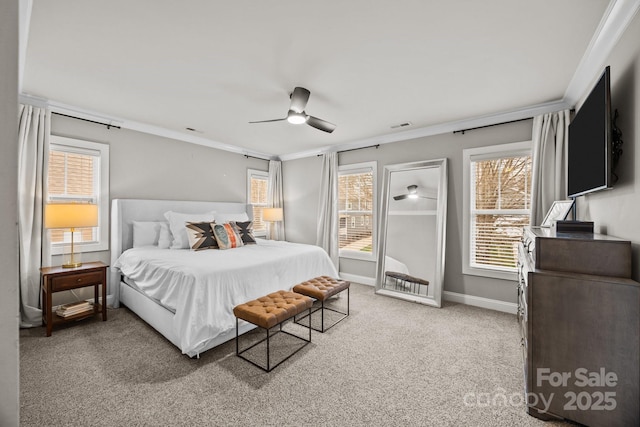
[73, 281]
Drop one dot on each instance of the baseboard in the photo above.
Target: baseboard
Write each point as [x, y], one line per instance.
[370, 281]
[492, 304]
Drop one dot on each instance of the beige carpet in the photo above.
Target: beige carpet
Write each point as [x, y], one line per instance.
[390, 363]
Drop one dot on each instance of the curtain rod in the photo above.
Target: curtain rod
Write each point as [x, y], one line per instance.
[254, 157]
[354, 149]
[108, 125]
[495, 124]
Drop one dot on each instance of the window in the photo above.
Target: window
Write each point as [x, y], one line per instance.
[497, 206]
[356, 201]
[79, 171]
[257, 188]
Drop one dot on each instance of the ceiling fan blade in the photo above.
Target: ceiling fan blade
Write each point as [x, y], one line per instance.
[428, 197]
[400, 197]
[299, 99]
[321, 124]
[273, 120]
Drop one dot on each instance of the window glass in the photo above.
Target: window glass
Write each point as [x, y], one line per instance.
[257, 196]
[77, 171]
[356, 189]
[498, 206]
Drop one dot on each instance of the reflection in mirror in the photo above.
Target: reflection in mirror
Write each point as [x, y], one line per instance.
[413, 223]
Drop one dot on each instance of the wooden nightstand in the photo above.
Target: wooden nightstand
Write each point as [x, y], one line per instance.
[56, 279]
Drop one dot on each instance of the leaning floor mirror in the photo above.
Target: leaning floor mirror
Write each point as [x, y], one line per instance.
[412, 231]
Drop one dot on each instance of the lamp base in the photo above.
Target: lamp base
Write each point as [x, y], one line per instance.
[71, 265]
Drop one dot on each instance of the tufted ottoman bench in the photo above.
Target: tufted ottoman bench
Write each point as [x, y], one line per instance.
[267, 312]
[322, 288]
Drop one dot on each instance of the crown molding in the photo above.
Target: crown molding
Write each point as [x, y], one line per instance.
[458, 125]
[83, 113]
[615, 21]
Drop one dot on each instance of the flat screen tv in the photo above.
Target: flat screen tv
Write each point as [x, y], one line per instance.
[590, 135]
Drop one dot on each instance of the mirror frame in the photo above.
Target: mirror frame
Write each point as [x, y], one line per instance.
[441, 228]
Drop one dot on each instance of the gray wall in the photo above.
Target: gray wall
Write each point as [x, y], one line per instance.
[302, 180]
[616, 211]
[9, 317]
[150, 167]
[410, 239]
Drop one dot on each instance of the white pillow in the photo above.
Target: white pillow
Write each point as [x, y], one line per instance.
[178, 229]
[147, 233]
[164, 240]
[222, 218]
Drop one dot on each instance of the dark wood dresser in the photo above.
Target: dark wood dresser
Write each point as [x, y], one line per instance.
[579, 313]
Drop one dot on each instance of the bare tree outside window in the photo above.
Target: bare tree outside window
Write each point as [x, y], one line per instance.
[501, 207]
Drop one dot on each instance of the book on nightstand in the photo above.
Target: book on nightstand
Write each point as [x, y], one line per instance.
[70, 309]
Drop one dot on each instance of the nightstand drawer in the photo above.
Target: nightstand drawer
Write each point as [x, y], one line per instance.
[62, 283]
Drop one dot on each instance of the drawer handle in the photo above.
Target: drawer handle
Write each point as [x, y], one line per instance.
[79, 281]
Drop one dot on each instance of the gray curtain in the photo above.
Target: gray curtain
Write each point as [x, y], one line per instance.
[34, 125]
[275, 198]
[327, 236]
[548, 183]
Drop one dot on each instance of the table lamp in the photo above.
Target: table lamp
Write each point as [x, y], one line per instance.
[71, 216]
[271, 215]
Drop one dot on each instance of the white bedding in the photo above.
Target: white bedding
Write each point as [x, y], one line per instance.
[392, 264]
[202, 287]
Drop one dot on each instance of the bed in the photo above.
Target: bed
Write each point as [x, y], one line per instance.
[188, 296]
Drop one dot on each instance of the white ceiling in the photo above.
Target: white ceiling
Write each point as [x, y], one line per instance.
[216, 65]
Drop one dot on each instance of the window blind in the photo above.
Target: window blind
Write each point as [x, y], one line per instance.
[355, 206]
[258, 198]
[72, 177]
[501, 191]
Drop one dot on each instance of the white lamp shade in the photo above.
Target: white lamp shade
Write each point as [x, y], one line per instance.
[272, 214]
[70, 215]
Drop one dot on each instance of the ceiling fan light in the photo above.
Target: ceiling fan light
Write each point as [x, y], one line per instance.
[413, 196]
[296, 118]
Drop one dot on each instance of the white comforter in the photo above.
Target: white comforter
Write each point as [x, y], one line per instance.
[202, 287]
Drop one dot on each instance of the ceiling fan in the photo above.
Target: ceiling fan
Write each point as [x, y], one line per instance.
[412, 193]
[297, 115]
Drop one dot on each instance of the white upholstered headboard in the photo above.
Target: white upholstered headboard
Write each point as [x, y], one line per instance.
[125, 211]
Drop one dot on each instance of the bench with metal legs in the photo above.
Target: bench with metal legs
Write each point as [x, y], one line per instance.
[268, 312]
[321, 289]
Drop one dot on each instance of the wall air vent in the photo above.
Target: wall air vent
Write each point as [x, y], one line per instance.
[401, 125]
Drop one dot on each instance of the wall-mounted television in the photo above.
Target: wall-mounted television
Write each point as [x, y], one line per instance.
[589, 151]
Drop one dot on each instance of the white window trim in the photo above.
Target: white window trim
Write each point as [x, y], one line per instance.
[358, 168]
[475, 154]
[258, 174]
[81, 146]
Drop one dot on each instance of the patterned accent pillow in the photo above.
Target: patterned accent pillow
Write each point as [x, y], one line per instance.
[178, 230]
[245, 230]
[227, 236]
[201, 235]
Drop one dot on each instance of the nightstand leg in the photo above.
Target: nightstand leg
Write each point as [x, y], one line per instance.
[104, 295]
[42, 301]
[48, 304]
[95, 298]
